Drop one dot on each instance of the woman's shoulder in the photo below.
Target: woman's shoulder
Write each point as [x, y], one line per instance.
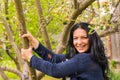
[83, 57]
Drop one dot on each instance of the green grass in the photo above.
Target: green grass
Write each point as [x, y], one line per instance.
[11, 76]
[115, 74]
[50, 78]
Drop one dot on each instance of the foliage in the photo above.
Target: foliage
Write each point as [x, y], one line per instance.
[59, 11]
[112, 64]
[9, 63]
[115, 75]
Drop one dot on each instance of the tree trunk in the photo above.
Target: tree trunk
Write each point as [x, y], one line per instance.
[116, 46]
[28, 74]
[115, 38]
[17, 61]
[110, 47]
[42, 24]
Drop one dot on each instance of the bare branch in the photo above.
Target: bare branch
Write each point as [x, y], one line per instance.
[108, 32]
[3, 74]
[9, 33]
[76, 4]
[11, 70]
[10, 55]
[42, 24]
[116, 15]
[98, 2]
[64, 36]
[13, 58]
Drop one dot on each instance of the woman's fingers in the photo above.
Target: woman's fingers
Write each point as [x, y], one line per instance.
[27, 35]
[32, 41]
[26, 53]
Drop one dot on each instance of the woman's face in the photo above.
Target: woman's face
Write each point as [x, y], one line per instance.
[80, 40]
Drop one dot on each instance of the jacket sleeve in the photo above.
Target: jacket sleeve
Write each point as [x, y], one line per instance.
[48, 55]
[61, 69]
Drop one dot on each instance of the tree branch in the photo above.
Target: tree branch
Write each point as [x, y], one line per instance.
[115, 20]
[110, 31]
[14, 46]
[42, 24]
[64, 36]
[13, 58]
[3, 74]
[27, 71]
[11, 70]
[76, 4]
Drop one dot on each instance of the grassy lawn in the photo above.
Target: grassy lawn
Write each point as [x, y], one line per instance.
[50, 78]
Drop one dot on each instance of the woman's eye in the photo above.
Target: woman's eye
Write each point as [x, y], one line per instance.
[75, 38]
[85, 37]
[82, 37]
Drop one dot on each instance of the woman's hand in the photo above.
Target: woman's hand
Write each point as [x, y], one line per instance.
[27, 53]
[34, 42]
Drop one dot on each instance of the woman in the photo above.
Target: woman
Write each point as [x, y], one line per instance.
[85, 60]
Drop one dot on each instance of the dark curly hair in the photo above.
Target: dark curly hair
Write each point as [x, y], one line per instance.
[96, 47]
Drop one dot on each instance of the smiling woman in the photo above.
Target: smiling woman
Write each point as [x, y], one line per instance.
[85, 59]
[80, 40]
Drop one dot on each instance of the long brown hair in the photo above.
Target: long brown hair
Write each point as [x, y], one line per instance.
[96, 47]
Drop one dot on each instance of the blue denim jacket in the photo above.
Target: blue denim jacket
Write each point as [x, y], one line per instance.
[80, 67]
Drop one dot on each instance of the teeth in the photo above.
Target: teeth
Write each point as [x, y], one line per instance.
[81, 46]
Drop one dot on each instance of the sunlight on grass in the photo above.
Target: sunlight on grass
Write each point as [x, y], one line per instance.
[50, 78]
[12, 76]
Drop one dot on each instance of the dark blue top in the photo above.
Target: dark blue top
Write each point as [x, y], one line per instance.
[80, 67]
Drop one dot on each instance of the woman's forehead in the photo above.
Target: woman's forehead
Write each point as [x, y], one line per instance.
[80, 31]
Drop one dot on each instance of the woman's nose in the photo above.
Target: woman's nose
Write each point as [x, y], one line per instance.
[79, 41]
